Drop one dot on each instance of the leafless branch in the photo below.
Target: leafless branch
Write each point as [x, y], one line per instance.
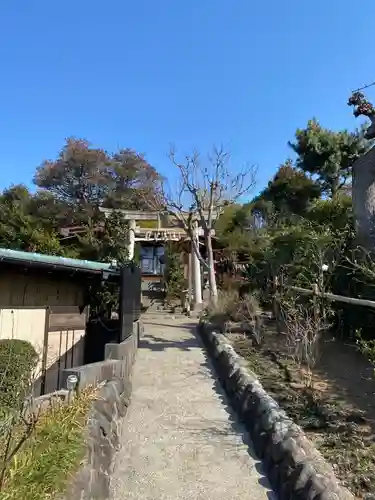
[305, 325]
[200, 194]
[361, 261]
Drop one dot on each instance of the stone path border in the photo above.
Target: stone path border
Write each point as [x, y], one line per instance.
[113, 381]
[296, 470]
[179, 439]
[109, 407]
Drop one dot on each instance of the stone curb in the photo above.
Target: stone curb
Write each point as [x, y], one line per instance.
[112, 379]
[295, 468]
[102, 442]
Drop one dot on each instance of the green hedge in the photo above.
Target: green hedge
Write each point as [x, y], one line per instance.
[18, 359]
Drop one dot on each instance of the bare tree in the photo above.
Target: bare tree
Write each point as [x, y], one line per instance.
[202, 191]
[304, 328]
[362, 262]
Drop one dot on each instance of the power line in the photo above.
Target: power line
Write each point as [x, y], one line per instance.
[363, 88]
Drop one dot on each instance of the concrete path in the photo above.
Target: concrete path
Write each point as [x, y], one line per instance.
[179, 438]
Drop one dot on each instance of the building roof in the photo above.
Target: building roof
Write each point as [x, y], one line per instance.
[52, 262]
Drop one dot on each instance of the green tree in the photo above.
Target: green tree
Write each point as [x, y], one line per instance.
[20, 229]
[291, 190]
[328, 155]
[78, 178]
[133, 181]
[50, 211]
[336, 213]
[83, 178]
[228, 219]
[174, 278]
[110, 245]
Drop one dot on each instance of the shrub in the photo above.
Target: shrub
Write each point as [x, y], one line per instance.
[230, 307]
[225, 307]
[18, 359]
[42, 467]
[248, 308]
[174, 274]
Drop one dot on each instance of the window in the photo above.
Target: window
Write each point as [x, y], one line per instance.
[150, 260]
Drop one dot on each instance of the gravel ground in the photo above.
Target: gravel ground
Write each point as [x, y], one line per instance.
[179, 438]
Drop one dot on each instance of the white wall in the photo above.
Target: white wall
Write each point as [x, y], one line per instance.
[25, 324]
[24, 298]
[29, 324]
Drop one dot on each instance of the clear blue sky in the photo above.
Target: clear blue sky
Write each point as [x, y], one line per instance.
[146, 73]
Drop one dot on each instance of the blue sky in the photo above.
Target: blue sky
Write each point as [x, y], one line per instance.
[245, 73]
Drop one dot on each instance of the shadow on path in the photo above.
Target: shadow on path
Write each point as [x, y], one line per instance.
[237, 427]
[155, 343]
[160, 344]
[186, 326]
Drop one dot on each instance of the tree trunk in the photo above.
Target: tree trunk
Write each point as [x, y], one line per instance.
[363, 193]
[211, 269]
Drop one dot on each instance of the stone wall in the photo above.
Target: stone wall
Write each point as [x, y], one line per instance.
[102, 441]
[295, 468]
[113, 379]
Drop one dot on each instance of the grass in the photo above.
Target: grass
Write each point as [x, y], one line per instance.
[43, 466]
[341, 432]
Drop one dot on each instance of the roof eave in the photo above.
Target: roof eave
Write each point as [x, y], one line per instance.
[58, 267]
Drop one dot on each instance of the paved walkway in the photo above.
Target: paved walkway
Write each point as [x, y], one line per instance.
[179, 439]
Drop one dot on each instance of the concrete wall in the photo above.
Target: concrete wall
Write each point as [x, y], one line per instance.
[118, 362]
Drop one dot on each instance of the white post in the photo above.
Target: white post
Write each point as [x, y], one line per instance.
[197, 280]
[189, 275]
[131, 240]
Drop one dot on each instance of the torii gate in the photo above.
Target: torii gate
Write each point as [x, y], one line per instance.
[163, 233]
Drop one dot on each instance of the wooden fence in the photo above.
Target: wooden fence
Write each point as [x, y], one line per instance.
[315, 293]
[333, 297]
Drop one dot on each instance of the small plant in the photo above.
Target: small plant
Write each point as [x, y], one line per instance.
[366, 347]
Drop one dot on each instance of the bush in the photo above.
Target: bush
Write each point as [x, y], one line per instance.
[174, 274]
[18, 359]
[248, 308]
[230, 307]
[42, 467]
